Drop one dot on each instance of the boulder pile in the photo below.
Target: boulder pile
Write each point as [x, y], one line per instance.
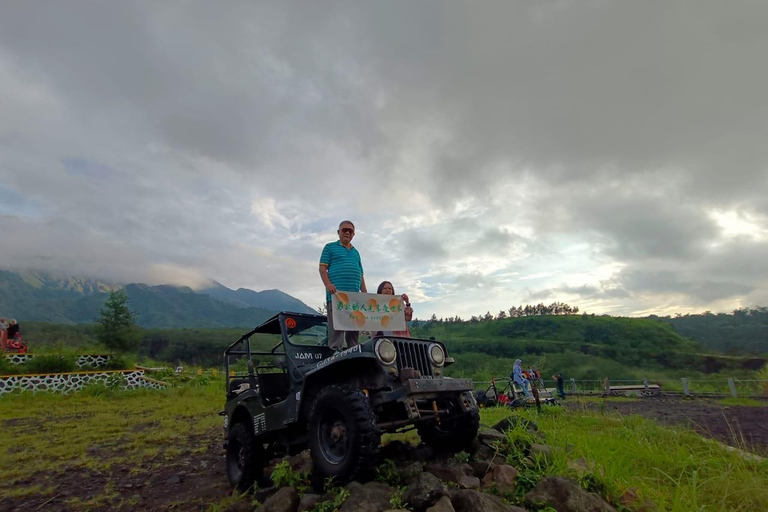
[415, 478]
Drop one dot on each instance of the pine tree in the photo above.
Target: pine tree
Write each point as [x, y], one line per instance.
[118, 331]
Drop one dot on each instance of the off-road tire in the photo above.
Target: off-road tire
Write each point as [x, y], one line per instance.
[245, 457]
[451, 434]
[343, 435]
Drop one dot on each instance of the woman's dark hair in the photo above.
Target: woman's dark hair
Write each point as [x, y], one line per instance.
[381, 286]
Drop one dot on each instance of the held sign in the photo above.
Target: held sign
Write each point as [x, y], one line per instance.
[355, 311]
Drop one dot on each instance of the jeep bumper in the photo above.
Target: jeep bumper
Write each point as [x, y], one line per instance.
[427, 386]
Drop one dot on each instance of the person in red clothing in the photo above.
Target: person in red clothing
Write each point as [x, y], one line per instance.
[3, 333]
[386, 288]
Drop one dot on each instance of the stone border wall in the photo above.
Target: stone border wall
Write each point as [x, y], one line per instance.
[89, 360]
[69, 382]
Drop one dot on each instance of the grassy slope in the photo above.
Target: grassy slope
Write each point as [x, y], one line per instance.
[675, 468]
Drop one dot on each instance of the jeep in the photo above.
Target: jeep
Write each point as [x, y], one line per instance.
[286, 390]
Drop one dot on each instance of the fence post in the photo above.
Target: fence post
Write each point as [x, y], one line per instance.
[732, 385]
[685, 386]
[573, 385]
[606, 387]
[645, 383]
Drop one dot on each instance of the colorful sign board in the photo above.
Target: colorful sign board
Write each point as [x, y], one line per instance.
[355, 311]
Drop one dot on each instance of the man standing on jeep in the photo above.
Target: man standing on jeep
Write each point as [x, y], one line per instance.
[341, 270]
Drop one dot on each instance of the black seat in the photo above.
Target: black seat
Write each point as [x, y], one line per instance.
[273, 387]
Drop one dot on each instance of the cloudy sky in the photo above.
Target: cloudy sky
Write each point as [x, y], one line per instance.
[612, 155]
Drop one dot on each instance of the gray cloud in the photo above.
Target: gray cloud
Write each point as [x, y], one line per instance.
[227, 141]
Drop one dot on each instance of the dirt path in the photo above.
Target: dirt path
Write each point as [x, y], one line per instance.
[191, 482]
[739, 426]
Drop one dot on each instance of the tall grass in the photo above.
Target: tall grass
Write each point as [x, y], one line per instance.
[675, 468]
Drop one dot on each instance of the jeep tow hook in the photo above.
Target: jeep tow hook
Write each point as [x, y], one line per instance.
[437, 413]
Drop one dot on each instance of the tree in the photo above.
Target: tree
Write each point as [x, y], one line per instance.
[118, 331]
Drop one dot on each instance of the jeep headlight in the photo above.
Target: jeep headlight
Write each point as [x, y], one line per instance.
[385, 351]
[436, 354]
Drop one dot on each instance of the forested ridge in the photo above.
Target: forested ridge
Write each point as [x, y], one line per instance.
[583, 346]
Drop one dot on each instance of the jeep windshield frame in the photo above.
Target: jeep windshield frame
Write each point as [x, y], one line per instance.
[275, 326]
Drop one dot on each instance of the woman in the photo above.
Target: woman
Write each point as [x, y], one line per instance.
[386, 288]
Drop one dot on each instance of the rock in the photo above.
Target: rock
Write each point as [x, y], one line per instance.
[474, 446]
[351, 486]
[484, 453]
[503, 476]
[240, 506]
[632, 500]
[488, 436]
[566, 495]
[175, 479]
[581, 465]
[449, 472]
[422, 452]
[371, 497]
[409, 471]
[541, 450]
[442, 505]
[301, 463]
[395, 450]
[469, 482]
[511, 422]
[285, 499]
[308, 502]
[261, 495]
[465, 500]
[480, 468]
[424, 491]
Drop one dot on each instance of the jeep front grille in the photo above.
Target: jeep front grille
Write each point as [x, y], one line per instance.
[413, 354]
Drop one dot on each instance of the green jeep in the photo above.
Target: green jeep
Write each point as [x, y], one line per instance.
[286, 390]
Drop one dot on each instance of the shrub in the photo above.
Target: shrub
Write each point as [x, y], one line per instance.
[50, 363]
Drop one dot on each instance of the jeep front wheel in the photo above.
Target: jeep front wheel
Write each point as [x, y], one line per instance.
[245, 457]
[452, 433]
[343, 435]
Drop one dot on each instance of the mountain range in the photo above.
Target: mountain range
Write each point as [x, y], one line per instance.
[47, 297]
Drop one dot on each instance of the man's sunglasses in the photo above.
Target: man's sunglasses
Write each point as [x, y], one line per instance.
[348, 231]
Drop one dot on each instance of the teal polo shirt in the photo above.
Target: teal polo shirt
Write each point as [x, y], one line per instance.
[345, 269]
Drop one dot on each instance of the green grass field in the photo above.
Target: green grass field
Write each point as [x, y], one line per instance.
[47, 435]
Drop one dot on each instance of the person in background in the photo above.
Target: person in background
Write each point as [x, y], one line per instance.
[13, 329]
[341, 270]
[386, 288]
[518, 378]
[3, 333]
[560, 384]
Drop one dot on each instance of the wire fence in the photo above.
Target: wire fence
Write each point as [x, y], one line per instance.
[730, 387]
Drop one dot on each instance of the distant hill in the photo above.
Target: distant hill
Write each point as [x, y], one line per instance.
[245, 298]
[44, 297]
[745, 331]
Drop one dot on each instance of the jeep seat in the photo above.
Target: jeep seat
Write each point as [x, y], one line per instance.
[237, 386]
[273, 387]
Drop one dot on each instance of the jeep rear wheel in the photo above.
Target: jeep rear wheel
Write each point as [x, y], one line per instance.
[451, 434]
[245, 457]
[343, 435]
